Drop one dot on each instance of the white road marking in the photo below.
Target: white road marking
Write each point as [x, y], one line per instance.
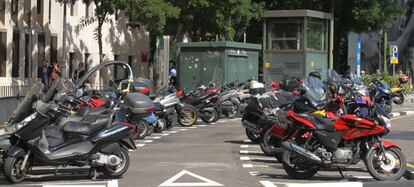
[164, 134]
[407, 112]
[327, 184]
[247, 152]
[254, 173]
[148, 141]
[247, 141]
[213, 123]
[154, 137]
[205, 181]
[172, 132]
[267, 184]
[244, 146]
[140, 145]
[245, 158]
[394, 114]
[202, 125]
[247, 165]
[182, 129]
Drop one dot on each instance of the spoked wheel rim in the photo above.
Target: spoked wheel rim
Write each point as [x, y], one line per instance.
[210, 116]
[142, 128]
[252, 135]
[389, 165]
[187, 117]
[17, 173]
[269, 141]
[121, 166]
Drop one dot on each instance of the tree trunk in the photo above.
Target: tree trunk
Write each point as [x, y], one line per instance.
[405, 37]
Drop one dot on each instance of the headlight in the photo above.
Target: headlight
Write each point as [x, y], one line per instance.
[386, 121]
[17, 126]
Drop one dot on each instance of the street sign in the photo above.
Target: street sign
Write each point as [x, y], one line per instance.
[267, 65]
[394, 55]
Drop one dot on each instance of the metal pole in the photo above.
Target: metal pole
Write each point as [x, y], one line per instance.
[358, 58]
[385, 44]
[64, 61]
[331, 37]
[393, 69]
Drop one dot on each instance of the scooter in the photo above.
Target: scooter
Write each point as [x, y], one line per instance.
[398, 93]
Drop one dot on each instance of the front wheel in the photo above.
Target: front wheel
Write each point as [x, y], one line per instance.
[390, 167]
[254, 137]
[386, 105]
[297, 168]
[269, 144]
[117, 171]
[12, 169]
[142, 130]
[188, 116]
[161, 125]
[398, 98]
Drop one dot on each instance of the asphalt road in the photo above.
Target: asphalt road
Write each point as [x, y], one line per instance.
[219, 155]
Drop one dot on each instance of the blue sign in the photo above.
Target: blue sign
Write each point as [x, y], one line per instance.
[358, 56]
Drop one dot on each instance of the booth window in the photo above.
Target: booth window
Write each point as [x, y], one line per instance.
[285, 35]
[316, 34]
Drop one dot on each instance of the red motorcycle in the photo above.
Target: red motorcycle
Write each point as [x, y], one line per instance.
[340, 143]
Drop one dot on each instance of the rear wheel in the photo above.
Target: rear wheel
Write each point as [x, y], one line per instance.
[297, 168]
[142, 130]
[254, 137]
[386, 167]
[269, 144]
[398, 98]
[119, 170]
[236, 109]
[161, 125]
[188, 116]
[12, 169]
[210, 116]
[386, 105]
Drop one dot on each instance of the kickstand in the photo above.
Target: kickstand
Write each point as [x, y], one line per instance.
[340, 172]
[56, 170]
[95, 175]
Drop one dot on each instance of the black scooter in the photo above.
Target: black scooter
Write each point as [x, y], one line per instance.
[96, 140]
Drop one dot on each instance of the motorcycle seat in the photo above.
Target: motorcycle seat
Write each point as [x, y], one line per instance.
[90, 125]
[320, 122]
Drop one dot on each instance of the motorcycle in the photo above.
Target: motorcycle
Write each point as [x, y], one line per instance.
[397, 91]
[206, 101]
[169, 109]
[380, 92]
[321, 143]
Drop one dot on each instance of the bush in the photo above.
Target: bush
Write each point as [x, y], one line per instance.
[391, 80]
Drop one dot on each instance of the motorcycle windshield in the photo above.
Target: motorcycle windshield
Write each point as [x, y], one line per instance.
[356, 80]
[314, 88]
[385, 84]
[334, 77]
[26, 106]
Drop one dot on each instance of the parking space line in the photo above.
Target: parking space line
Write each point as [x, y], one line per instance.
[267, 184]
[244, 146]
[202, 125]
[247, 165]
[172, 132]
[247, 141]
[254, 173]
[148, 141]
[140, 145]
[182, 129]
[244, 158]
[164, 134]
[247, 152]
[154, 137]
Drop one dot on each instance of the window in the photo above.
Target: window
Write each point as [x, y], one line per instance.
[87, 3]
[285, 34]
[3, 52]
[130, 58]
[72, 9]
[27, 56]
[71, 63]
[41, 49]
[54, 50]
[15, 47]
[116, 68]
[86, 62]
[316, 34]
[39, 6]
[14, 6]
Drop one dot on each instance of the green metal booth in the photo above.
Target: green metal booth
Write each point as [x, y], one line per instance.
[295, 43]
[199, 61]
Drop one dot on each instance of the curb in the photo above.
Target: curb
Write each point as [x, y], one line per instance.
[402, 113]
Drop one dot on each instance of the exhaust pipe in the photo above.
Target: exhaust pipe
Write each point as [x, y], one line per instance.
[300, 151]
[251, 126]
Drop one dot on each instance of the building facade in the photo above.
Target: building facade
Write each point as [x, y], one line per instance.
[32, 31]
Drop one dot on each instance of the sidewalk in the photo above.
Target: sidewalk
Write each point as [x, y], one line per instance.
[407, 108]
